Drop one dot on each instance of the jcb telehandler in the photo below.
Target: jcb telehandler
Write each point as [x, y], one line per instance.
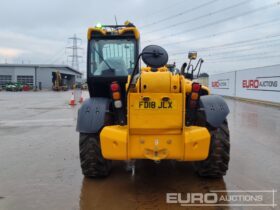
[57, 82]
[149, 112]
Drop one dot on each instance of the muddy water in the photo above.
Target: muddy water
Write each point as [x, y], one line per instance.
[39, 160]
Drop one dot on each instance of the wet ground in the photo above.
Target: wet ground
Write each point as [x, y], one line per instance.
[40, 169]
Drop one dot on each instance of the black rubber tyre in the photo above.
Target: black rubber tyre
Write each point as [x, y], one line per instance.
[216, 165]
[92, 162]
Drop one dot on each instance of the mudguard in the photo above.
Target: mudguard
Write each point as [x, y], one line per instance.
[215, 109]
[92, 115]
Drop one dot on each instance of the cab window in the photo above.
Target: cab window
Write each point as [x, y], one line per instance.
[111, 57]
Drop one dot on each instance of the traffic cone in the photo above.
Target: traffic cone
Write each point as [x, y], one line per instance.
[72, 100]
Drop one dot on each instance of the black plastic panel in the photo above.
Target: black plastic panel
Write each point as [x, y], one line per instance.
[215, 109]
[92, 115]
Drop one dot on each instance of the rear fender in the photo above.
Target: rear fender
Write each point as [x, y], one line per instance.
[214, 108]
[93, 115]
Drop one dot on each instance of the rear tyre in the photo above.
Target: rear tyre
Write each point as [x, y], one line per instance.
[216, 165]
[93, 163]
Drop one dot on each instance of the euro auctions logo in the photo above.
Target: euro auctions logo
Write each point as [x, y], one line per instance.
[258, 83]
[237, 198]
[220, 84]
[215, 84]
[262, 83]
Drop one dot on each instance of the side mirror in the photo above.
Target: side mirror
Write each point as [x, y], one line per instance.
[192, 55]
[154, 56]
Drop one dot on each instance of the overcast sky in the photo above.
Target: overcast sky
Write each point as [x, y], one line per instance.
[228, 34]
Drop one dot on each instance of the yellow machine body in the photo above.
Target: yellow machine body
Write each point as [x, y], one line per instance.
[58, 86]
[119, 32]
[156, 130]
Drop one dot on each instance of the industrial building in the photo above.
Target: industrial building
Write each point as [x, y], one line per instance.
[40, 76]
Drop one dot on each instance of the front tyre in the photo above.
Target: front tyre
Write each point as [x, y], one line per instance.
[92, 162]
[216, 165]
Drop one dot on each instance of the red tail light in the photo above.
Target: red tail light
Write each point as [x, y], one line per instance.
[115, 87]
[196, 87]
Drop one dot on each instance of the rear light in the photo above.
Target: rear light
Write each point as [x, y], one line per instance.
[116, 95]
[118, 104]
[195, 87]
[115, 87]
[194, 96]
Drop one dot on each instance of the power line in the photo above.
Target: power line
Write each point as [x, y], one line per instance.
[241, 56]
[243, 50]
[229, 31]
[240, 42]
[174, 4]
[49, 60]
[218, 21]
[236, 56]
[59, 55]
[246, 58]
[179, 14]
[222, 57]
[62, 53]
[235, 43]
[235, 59]
[224, 32]
[219, 47]
[200, 17]
[248, 45]
[217, 55]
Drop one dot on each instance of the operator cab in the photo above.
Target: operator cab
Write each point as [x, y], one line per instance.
[112, 53]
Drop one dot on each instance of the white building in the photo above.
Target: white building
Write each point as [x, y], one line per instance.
[41, 76]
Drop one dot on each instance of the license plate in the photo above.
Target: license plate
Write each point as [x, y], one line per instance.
[164, 105]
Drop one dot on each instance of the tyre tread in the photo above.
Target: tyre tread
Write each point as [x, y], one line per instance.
[93, 164]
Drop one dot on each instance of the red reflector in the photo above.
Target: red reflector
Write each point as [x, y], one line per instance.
[115, 87]
[196, 87]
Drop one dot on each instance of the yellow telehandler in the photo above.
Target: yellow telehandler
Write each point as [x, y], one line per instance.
[147, 113]
[57, 82]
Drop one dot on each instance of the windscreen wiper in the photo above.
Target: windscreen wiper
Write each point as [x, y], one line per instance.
[95, 50]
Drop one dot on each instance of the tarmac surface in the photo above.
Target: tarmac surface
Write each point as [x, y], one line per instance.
[40, 168]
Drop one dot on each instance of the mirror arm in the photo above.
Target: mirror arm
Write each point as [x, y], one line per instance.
[200, 64]
[183, 67]
[133, 73]
[189, 65]
[192, 70]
